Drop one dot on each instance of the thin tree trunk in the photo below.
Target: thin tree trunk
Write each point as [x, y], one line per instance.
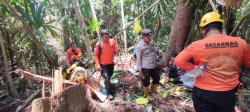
[82, 27]
[8, 46]
[229, 18]
[179, 30]
[158, 27]
[92, 7]
[11, 86]
[123, 26]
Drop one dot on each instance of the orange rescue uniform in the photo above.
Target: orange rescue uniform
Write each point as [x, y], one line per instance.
[108, 50]
[73, 55]
[223, 56]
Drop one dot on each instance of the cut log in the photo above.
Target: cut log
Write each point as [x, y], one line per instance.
[91, 82]
[41, 105]
[72, 99]
[28, 75]
[57, 85]
[28, 100]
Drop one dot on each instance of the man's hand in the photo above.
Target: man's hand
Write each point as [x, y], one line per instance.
[74, 57]
[98, 67]
[140, 74]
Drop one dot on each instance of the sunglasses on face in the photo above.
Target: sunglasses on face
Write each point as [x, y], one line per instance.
[104, 34]
[146, 34]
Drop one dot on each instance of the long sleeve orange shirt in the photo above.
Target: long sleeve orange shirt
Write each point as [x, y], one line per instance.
[72, 55]
[108, 50]
[223, 56]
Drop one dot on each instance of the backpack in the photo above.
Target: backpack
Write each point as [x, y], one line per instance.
[100, 50]
[100, 44]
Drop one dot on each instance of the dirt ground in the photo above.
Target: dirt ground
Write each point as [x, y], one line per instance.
[170, 97]
[10, 104]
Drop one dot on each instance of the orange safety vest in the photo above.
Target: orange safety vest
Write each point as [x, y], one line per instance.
[223, 56]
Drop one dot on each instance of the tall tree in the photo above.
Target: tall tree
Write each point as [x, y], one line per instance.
[8, 77]
[123, 26]
[82, 27]
[179, 29]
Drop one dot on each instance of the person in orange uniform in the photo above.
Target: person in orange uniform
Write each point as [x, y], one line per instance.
[214, 91]
[73, 54]
[104, 53]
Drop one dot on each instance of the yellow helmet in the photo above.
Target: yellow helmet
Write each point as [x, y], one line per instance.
[210, 18]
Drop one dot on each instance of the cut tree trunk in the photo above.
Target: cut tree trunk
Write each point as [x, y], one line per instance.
[82, 27]
[179, 30]
[11, 86]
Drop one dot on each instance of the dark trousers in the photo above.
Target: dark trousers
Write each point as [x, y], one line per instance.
[213, 101]
[153, 73]
[107, 72]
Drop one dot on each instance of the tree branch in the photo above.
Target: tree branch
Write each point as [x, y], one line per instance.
[241, 22]
[131, 22]
[28, 100]
[213, 5]
[28, 75]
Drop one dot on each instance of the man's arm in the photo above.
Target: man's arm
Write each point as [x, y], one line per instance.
[182, 60]
[139, 58]
[117, 48]
[96, 55]
[246, 59]
[79, 53]
[68, 58]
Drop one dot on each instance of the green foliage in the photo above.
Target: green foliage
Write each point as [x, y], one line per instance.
[93, 25]
[46, 19]
[20, 84]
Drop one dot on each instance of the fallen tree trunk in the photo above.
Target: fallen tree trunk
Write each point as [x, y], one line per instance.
[28, 100]
[28, 75]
